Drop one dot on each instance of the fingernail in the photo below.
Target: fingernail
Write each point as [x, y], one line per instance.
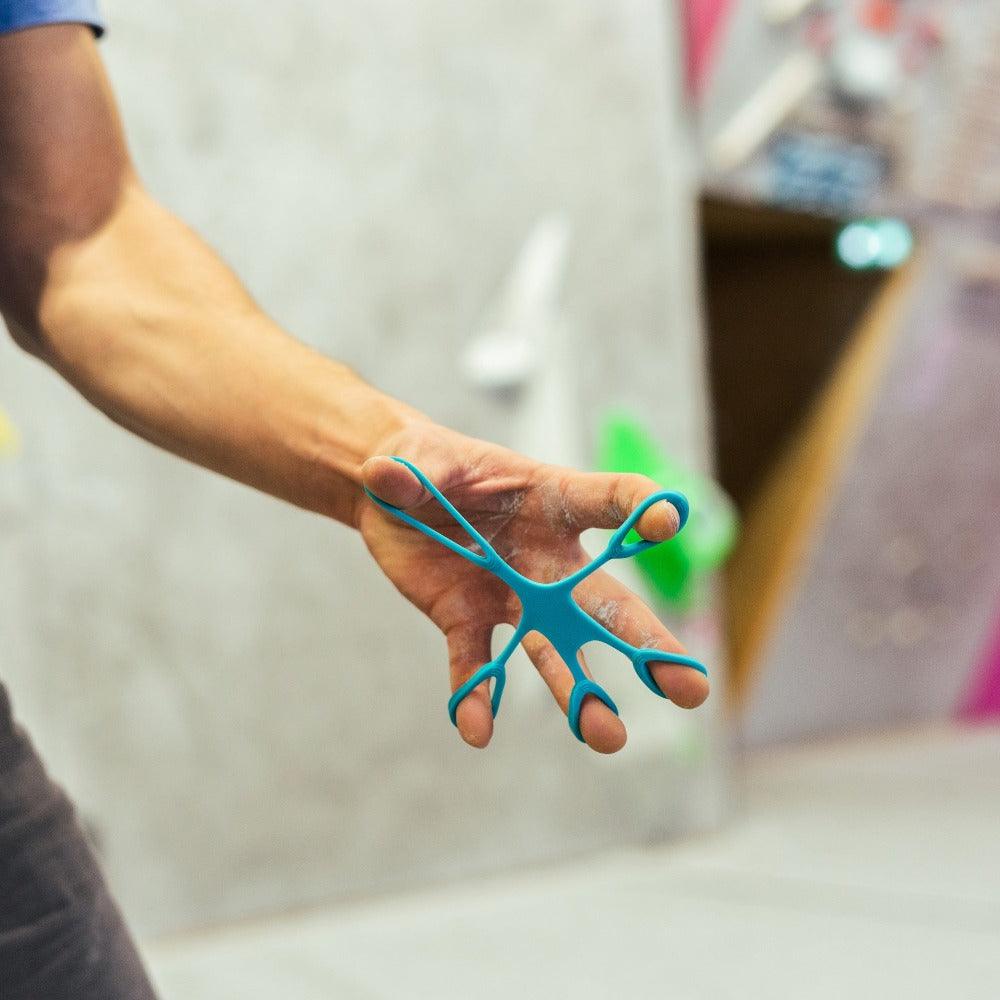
[673, 518]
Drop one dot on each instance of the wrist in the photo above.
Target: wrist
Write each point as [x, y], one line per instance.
[363, 422]
[378, 423]
[389, 422]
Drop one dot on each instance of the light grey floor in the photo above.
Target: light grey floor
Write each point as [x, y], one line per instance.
[869, 869]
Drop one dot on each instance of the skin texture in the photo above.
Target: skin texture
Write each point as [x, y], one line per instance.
[127, 304]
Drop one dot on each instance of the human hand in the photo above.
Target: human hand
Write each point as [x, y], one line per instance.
[532, 514]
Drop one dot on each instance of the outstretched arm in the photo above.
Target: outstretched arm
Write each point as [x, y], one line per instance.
[126, 303]
[136, 312]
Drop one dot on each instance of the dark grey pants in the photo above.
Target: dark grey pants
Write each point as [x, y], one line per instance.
[61, 935]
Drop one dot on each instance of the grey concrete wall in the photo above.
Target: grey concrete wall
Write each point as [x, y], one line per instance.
[246, 711]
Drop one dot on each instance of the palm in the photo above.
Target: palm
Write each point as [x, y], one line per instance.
[532, 514]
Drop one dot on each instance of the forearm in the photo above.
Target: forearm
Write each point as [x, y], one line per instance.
[148, 324]
[139, 315]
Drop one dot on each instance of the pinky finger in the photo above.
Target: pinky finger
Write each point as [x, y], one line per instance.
[468, 650]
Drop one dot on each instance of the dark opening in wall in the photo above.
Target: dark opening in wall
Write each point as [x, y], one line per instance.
[780, 309]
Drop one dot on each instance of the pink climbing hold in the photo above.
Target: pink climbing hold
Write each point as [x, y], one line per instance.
[982, 701]
[703, 20]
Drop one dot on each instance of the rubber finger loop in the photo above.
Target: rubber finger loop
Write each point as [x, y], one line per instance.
[580, 691]
[642, 658]
[496, 672]
[620, 549]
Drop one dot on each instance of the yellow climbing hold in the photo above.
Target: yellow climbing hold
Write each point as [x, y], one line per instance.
[8, 436]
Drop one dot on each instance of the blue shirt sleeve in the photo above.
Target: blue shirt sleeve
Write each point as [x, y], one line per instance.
[16, 14]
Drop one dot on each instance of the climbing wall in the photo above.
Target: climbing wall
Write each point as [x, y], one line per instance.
[896, 597]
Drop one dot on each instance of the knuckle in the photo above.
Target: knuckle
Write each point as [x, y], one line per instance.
[627, 491]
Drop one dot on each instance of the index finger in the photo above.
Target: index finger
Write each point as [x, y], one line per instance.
[605, 500]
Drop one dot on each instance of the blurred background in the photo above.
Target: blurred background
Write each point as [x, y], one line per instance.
[748, 247]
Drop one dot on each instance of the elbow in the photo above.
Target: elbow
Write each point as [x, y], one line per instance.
[28, 340]
[21, 284]
[39, 255]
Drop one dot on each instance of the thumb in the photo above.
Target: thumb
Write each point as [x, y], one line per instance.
[393, 482]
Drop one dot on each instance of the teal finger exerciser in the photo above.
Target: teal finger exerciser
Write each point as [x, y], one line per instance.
[549, 608]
